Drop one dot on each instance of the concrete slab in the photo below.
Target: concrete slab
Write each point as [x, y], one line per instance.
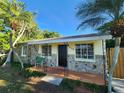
[52, 80]
[118, 85]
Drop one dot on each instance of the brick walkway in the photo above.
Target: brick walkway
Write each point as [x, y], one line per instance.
[82, 76]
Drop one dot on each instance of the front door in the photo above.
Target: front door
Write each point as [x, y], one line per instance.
[62, 55]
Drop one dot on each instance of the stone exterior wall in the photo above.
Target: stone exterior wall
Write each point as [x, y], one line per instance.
[54, 60]
[85, 66]
[33, 53]
[51, 60]
[72, 63]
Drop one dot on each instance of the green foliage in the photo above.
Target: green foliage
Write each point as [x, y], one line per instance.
[29, 73]
[4, 42]
[13, 82]
[70, 85]
[13, 17]
[47, 34]
[26, 72]
[101, 14]
[35, 34]
[95, 88]
[111, 43]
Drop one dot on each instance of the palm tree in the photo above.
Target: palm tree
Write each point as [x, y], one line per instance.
[104, 15]
[16, 20]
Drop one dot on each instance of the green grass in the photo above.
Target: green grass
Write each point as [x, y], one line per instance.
[95, 88]
[70, 85]
[14, 80]
[29, 73]
[26, 72]
[11, 82]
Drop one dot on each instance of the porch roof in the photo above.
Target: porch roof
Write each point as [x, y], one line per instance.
[87, 37]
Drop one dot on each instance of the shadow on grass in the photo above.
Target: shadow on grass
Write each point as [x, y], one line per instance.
[16, 81]
[70, 85]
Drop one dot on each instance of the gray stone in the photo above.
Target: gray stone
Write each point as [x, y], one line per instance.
[85, 66]
[71, 62]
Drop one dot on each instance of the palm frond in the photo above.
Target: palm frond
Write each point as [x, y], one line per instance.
[95, 13]
[94, 21]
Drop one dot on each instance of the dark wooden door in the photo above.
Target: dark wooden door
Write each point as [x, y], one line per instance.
[62, 55]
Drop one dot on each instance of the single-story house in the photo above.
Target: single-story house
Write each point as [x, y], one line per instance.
[78, 53]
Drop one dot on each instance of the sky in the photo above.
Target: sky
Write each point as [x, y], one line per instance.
[57, 15]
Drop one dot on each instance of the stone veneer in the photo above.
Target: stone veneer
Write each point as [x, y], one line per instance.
[91, 67]
[52, 60]
[71, 62]
[81, 66]
[34, 52]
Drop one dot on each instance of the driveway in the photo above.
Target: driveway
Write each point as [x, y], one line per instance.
[118, 85]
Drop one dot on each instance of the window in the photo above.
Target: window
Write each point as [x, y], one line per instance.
[24, 50]
[46, 50]
[84, 51]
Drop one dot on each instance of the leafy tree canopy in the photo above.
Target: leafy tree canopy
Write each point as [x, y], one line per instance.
[12, 16]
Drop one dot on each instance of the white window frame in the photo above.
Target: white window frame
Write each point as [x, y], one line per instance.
[48, 50]
[85, 59]
[22, 51]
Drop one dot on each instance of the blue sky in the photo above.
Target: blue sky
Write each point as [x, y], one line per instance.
[56, 15]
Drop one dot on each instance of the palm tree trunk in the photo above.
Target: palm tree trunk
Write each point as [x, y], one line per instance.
[11, 49]
[20, 34]
[19, 59]
[12, 45]
[114, 62]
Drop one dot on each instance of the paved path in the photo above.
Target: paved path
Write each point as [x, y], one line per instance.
[53, 80]
[118, 85]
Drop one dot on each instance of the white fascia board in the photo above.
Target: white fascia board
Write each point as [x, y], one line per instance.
[105, 37]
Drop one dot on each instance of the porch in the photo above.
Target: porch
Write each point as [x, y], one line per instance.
[65, 73]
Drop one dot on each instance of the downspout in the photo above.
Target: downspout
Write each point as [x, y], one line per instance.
[104, 60]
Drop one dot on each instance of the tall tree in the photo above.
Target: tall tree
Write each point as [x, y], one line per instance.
[16, 19]
[48, 34]
[32, 33]
[107, 16]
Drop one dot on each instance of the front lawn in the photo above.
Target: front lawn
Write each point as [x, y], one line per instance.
[81, 87]
[15, 80]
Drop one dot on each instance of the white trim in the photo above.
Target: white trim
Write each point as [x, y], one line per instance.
[22, 52]
[40, 50]
[85, 60]
[104, 37]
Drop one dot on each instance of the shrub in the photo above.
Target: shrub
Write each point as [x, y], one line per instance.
[29, 73]
[26, 71]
